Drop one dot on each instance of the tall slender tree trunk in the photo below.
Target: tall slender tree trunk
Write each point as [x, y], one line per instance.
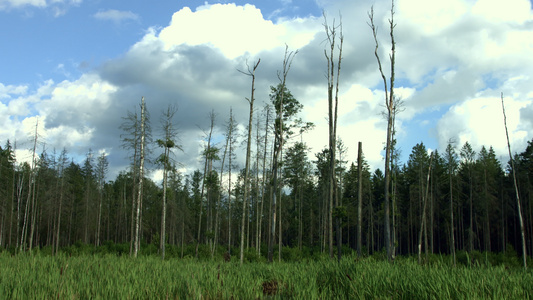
[280, 235]
[471, 203]
[59, 209]
[206, 165]
[164, 208]
[31, 191]
[389, 103]
[33, 211]
[264, 179]
[141, 177]
[333, 82]
[452, 234]
[230, 138]
[522, 231]
[12, 208]
[423, 218]
[359, 198]
[247, 164]
[217, 208]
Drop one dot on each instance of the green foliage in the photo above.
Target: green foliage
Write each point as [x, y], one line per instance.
[106, 276]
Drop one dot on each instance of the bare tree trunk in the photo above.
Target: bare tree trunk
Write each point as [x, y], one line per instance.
[12, 208]
[278, 145]
[247, 164]
[257, 215]
[228, 141]
[31, 191]
[230, 138]
[101, 170]
[62, 162]
[280, 235]
[389, 103]
[167, 144]
[206, 165]
[264, 179]
[471, 227]
[33, 212]
[452, 235]
[130, 140]
[522, 231]
[359, 198]
[164, 208]
[423, 219]
[141, 177]
[331, 33]
[133, 193]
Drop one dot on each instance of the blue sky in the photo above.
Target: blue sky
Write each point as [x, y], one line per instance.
[80, 65]
[63, 45]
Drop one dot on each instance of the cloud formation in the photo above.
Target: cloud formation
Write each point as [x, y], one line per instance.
[453, 60]
[116, 16]
[59, 7]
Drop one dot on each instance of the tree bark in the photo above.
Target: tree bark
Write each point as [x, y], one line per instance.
[522, 231]
[333, 82]
[423, 219]
[247, 164]
[141, 177]
[389, 103]
[359, 198]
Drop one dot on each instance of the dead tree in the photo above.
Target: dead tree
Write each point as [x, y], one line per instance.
[524, 253]
[333, 101]
[278, 146]
[423, 218]
[389, 104]
[141, 177]
[251, 73]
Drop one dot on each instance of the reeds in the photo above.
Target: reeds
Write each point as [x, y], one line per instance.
[147, 277]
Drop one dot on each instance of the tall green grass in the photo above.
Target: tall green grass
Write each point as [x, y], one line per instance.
[121, 277]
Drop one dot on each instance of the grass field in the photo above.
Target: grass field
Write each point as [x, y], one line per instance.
[148, 277]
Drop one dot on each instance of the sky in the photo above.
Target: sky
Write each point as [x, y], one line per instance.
[78, 67]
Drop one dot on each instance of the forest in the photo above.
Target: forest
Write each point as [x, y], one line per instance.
[56, 202]
[284, 197]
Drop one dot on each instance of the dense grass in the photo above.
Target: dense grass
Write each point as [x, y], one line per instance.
[108, 276]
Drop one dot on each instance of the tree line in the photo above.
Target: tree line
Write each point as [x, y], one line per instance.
[467, 196]
[460, 199]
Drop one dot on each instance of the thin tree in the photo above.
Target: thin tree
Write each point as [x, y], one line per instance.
[250, 72]
[522, 231]
[451, 160]
[61, 172]
[359, 197]
[333, 99]
[229, 140]
[423, 218]
[101, 171]
[263, 185]
[389, 104]
[130, 140]
[141, 177]
[207, 171]
[278, 145]
[167, 143]
[230, 137]
[31, 191]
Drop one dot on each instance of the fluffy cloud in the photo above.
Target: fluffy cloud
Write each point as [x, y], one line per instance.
[234, 30]
[453, 57]
[480, 122]
[59, 7]
[116, 16]
[6, 92]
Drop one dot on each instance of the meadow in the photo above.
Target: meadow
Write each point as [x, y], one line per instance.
[110, 276]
